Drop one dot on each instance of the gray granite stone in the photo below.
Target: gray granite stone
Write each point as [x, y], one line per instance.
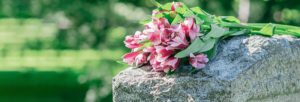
[255, 69]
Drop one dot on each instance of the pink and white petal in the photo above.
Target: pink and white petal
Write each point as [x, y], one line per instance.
[148, 49]
[130, 57]
[141, 59]
[155, 38]
[189, 22]
[192, 55]
[133, 46]
[173, 62]
[166, 70]
[179, 4]
[200, 66]
[193, 36]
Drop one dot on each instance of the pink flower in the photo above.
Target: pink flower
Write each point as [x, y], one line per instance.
[157, 31]
[165, 66]
[160, 41]
[133, 41]
[166, 34]
[171, 63]
[194, 32]
[161, 59]
[153, 33]
[190, 28]
[154, 37]
[130, 57]
[156, 66]
[162, 53]
[188, 23]
[141, 59]
[178, 38]
[198, 61]
[149, 49]
[152, 58]
[173, 7]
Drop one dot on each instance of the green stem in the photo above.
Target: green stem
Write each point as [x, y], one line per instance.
[280, 26]
[280, 29]
[255, 27]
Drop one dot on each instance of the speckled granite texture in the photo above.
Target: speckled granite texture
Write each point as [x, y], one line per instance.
[255, 69]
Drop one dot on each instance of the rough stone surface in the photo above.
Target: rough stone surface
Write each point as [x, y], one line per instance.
[254, 69]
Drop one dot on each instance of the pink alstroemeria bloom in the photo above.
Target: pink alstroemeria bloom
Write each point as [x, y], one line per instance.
[198, 61]
[133, 41]
[171, 63]
[149, 49]
[158, 57]
[130, 57]
[157, 30]
[156, 65]
[166, 34]
[141, 59]
[188, 23]
[173, 7]
[162, 53]
[190, 28]
[178, 40]
[152, 57]
[153, 33]
[194, 32]
[154, 37]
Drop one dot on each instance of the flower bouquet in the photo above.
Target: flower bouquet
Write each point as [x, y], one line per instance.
[176, 34]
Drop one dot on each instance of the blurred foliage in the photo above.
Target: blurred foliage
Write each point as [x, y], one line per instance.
[85, 38]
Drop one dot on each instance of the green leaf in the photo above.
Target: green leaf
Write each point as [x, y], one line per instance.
[164, 15]
[184, 10]
[268, 30]
[194, 47]
[183, 5]
[294, 32]
[198, 10]
[197, 46]
[145, 21]
[198, 21]
[230, 19]
[236, 33]
[242, 32]
[168, 17]
[207, 44]
[206, 18]
[211, 52]
[177, 19]
[180, 10]
[120, 61]
[216, 31]
[156, 3]
[159, 15]
[280, 32]
[167, 6]
[158, 9]
[169, 72]
[188, 14]
[232, 25]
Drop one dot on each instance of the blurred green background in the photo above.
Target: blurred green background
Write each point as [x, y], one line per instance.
[66, 50]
